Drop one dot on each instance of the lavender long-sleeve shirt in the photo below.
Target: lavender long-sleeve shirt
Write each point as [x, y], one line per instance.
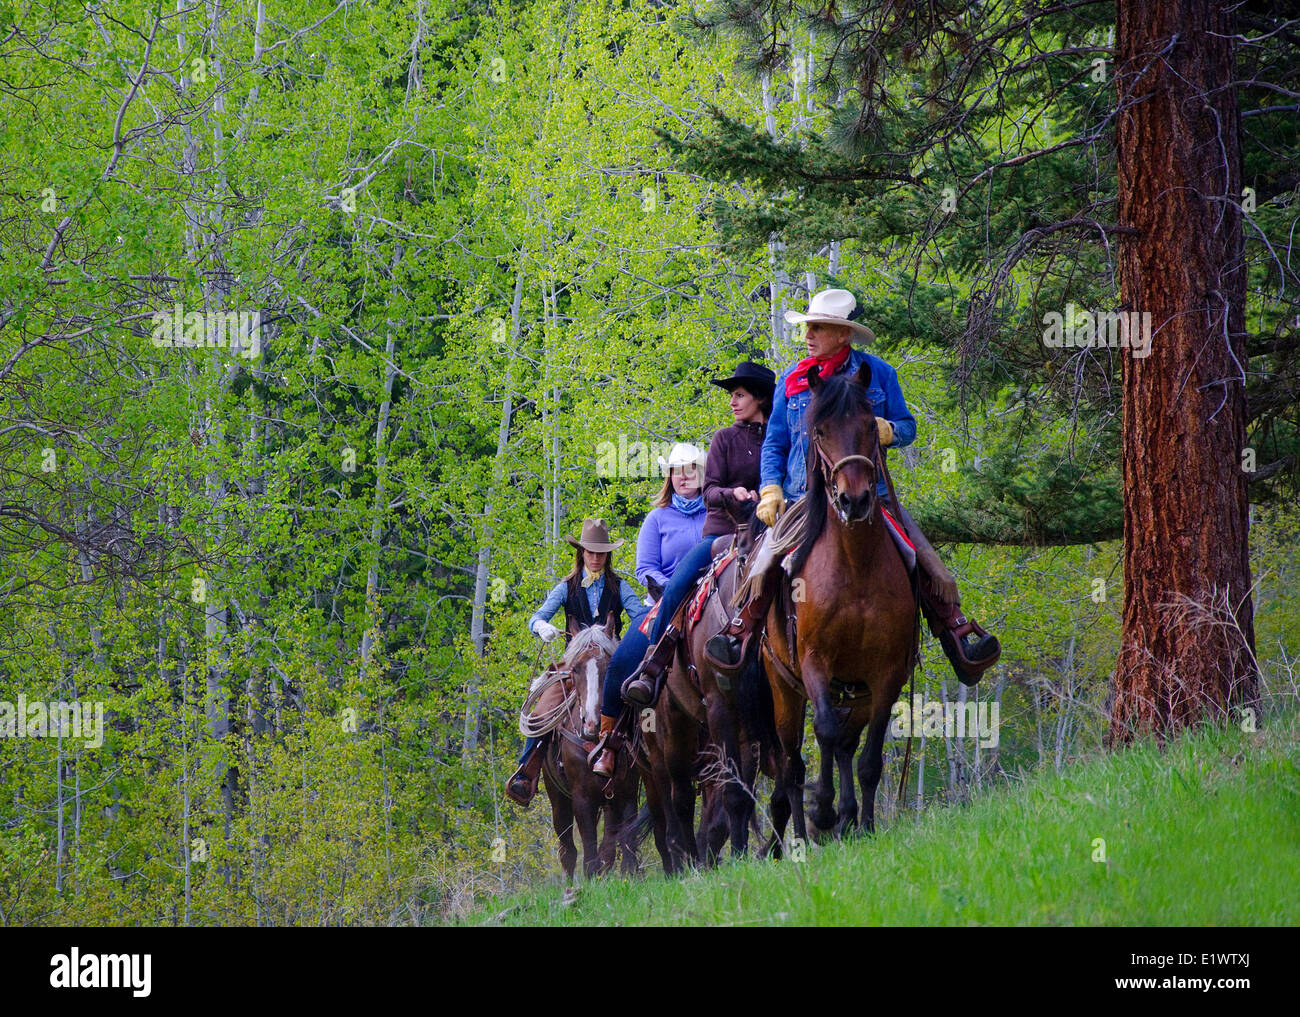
[665, 538]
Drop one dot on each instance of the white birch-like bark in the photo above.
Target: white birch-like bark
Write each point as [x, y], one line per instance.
[478, 609]
[377, 521]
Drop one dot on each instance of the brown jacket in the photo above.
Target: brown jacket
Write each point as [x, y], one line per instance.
[732, 463]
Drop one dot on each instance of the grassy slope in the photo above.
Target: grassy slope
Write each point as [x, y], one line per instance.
[1206, 832]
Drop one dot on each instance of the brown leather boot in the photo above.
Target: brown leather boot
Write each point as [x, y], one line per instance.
[969, 649]
[523, 785]
[605, 755]
[642, 688]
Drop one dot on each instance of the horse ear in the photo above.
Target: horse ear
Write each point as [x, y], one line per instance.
[610, 623]
[814, 378]
[863, 375]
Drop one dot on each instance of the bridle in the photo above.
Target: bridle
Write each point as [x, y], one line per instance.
[830, 470]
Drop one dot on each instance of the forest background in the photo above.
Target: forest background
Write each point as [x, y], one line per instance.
[491, 285]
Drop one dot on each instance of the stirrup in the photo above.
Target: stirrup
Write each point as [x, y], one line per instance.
[725, 640]
[968, 671]
[651, 671]
[638, 680]
[605, 741]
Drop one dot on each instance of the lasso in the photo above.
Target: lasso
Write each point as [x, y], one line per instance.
[535, 727]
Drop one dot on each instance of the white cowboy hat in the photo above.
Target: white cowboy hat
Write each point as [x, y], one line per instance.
[834, 308]
[682, 454]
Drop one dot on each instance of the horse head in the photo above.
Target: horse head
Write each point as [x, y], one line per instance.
[844, 444]
[586, 659]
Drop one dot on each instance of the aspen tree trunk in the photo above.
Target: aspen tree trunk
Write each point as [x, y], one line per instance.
[478, 610]
[1186, 528]
[779, 281]
[377, 520]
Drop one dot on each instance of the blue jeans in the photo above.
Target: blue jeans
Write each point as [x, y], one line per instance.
[632, 649]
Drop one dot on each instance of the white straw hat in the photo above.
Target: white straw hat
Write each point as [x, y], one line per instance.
[834, 308]
[682, 454]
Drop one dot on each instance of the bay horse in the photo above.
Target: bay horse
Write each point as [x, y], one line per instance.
[675, 754]
[578, 796]
[852, 644]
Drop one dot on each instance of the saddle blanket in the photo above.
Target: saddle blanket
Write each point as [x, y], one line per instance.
[704, 588]
[905, 546]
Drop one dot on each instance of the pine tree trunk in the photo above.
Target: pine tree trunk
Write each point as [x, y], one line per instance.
[1188, 634]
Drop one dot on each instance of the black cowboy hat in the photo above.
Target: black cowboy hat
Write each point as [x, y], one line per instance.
[758, 380]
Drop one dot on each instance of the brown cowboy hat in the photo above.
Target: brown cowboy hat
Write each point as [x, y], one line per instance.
[595, 537]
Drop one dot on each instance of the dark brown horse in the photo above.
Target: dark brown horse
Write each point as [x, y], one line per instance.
[578, 796]
[676, 756]
[707, 729]
[855, 632]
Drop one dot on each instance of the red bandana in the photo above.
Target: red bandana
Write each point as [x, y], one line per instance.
[797, 380]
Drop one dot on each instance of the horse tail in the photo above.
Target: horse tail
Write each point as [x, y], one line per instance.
[754, 700]
[638, 828]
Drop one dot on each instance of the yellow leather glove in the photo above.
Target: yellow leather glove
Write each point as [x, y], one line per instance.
[771, 503]
[886, 430]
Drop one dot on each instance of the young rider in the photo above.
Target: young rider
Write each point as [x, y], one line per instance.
[589, 594]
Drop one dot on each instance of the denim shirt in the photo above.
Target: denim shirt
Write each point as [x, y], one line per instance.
[560, 592]
[785, 448]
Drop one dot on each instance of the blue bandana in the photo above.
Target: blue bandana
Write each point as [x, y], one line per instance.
[688, 507]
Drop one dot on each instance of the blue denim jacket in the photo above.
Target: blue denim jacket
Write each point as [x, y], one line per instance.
[785, 447]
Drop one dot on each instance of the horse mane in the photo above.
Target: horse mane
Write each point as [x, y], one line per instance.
[585, 639]
[836, 397]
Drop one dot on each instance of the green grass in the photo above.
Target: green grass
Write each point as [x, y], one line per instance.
[1203, 832]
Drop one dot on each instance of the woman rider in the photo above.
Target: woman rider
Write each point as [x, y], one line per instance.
[730, 482]
[731, 479]
[830, 331]
[589, 594]
[675, 524]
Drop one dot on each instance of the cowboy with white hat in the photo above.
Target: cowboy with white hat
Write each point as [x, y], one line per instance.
[589, 594]
[831, 328]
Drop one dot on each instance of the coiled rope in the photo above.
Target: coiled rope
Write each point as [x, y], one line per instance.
[535, 726]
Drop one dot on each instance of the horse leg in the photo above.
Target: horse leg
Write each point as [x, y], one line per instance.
[827, 727]
[668, 837]
[680, 767]
[562, 820]
[608, 836]
[845, 747]
[787, 796]
[587, 814]
[871, 763]
[625, 816]
[735, 795]
[712, 831]
[654, 781]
